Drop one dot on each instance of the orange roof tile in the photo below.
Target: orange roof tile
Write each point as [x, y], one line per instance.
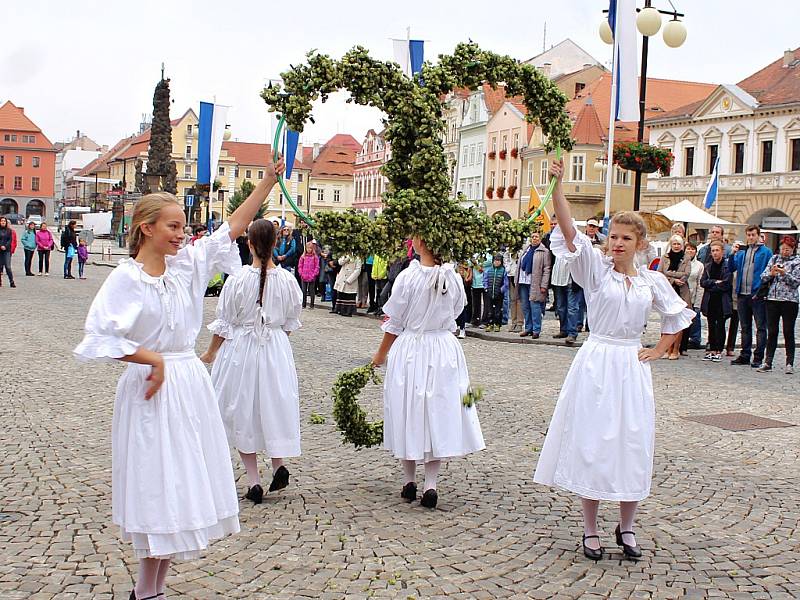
[249, 153]
[335, 161]
[663, 95]
[345, 140]
[13, 118]
[775, 83]
[587, 128]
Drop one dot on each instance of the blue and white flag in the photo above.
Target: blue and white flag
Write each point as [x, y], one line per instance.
[211, 129]
[713, 186]
[409, 54]
[622, 19]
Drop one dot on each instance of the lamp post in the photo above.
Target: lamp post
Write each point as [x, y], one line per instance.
[648, 22]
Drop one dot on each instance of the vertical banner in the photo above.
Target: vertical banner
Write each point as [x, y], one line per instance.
[211, 129]
[292, 140]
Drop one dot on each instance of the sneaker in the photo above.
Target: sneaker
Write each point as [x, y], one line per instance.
[756, 365]
[716, 358]
[482, 326]
[765, 368]
[709, 356]
[740, 361]
[789, 370]
[462, 333]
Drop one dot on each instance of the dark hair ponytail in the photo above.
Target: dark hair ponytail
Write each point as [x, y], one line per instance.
[261, 235]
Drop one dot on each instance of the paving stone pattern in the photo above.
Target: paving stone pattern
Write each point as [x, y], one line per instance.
[722, 521]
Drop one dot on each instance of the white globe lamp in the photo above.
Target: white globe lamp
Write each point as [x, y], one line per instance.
[605, 32]
[674, 34]
[648, 22]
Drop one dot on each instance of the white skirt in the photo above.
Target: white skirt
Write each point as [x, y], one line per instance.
[173, 486]
[256, 383]
[423, 415]
[600, 441]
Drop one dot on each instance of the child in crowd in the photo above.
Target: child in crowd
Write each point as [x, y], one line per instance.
[83, 256]
[308, 266]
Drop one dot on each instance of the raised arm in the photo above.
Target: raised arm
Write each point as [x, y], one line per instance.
[561, 206]
[247, 210]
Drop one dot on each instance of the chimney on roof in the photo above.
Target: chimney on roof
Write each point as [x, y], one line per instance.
[546, 68]
[315, 154]
[788, 58]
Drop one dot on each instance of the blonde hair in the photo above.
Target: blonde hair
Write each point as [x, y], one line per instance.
[146, 212]
[631, 219]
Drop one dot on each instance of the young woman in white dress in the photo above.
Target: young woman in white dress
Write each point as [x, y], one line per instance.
[172, 480]
[600, 441]
[254, 373]
[426, 379]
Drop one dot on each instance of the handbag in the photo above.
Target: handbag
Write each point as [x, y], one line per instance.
[70, 251]
[762, 292]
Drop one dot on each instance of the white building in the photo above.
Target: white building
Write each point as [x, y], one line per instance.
[754, 129]
[472, 148]
[71, 157]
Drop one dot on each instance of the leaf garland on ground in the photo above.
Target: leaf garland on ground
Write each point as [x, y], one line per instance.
[417, 201]
[350, 418]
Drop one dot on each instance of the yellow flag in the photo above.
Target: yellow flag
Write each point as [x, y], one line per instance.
[534, 203]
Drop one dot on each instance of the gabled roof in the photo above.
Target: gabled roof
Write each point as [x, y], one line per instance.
[249, 154]
[588, 129]
[663, 96]
[564, 57]
[13, 118]
[345, 140]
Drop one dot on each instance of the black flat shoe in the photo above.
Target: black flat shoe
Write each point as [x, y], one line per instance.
[255, 493]
[429, 499]
[409, 491]
[629, 551]
[133, 596]
[280, 479]
[591, 553]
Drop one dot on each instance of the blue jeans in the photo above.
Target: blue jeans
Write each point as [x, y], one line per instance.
[505, 306]
[67, 266]
[574, 309]
[560, 296]
[696, 329]
[751, 310]
[524, 290]
[537, 312]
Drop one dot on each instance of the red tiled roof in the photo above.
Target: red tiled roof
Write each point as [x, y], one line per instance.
[663, 95]
[775, 83]
[248, 153]
[345, 140]
[335, 161]
[13, 118]
[587, 128]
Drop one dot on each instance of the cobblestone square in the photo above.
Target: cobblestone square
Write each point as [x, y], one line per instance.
[722, 521]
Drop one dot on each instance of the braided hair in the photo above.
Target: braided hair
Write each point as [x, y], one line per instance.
[261, 235]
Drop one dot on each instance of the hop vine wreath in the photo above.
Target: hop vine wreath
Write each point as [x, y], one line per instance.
[350, 418]
[417, 201]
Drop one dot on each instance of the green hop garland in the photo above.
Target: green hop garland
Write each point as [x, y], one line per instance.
[473, 396]
[417, 202]
[350, 418]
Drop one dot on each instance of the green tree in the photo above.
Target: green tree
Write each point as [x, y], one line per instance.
[240, 196]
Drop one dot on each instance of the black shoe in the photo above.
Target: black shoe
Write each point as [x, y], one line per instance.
[133, 596]
[591, 553]
[13, 284]
[560, 335]
[739, 360]
[628, 551]
[255, 493]
[429, 499]
[695, 346]
[409, 491]
[280, 479]
[69, 277]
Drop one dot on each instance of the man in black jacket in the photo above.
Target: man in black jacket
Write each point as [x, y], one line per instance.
[69, 244]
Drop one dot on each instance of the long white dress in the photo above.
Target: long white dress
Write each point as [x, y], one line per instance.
[426, 371]
[254, 372]
[601, 438]
[172, 479]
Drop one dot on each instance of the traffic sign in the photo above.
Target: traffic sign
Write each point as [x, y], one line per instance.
[189, 200]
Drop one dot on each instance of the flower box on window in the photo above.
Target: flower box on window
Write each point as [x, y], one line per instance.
[492, 154]
[638, 156]
[503, 154]
[514, 152]
[501, 192]
[512, 189]
[490, 192]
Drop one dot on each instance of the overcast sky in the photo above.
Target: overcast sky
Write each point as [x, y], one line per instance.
[91, 65]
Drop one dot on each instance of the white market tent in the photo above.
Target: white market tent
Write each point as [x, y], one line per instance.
[687, 212]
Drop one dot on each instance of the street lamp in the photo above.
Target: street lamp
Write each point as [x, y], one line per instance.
[648, 22]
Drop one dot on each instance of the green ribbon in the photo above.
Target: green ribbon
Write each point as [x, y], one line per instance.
[547, 197]
[281, 181]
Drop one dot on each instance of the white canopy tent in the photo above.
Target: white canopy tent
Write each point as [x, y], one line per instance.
[687, 212]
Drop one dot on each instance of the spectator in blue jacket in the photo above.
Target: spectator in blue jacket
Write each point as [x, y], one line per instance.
[749, 263]
[285, 250]
[495, 281]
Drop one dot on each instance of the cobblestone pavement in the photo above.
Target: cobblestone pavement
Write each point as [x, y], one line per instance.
[722, 520]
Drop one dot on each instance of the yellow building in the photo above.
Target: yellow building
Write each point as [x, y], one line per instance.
[331, 186]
